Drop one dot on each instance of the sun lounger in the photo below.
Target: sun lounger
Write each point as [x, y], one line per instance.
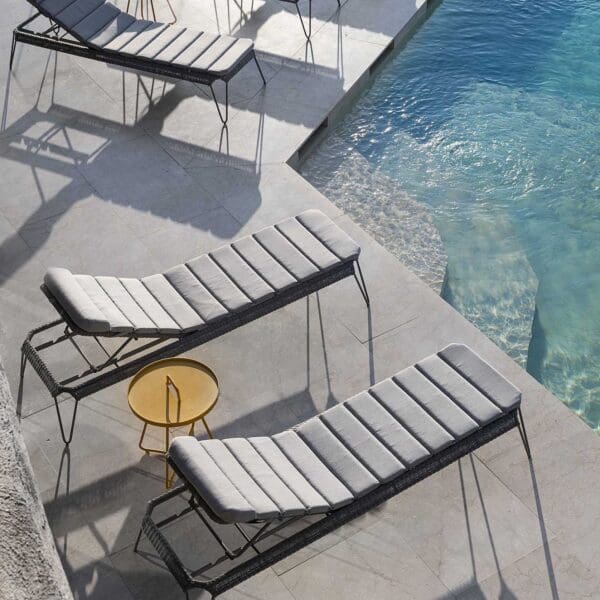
[338, 464]
[190, 303]
[98, 30]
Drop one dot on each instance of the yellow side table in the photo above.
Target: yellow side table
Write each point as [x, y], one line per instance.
[173, 392]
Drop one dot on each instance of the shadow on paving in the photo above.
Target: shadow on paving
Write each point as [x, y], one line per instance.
[53, 151]
[110, 509]
[144, 574]
[121, 496]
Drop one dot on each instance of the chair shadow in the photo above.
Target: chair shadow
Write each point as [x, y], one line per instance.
[53, 151]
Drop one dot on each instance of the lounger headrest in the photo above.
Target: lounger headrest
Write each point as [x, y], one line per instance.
[66, 290]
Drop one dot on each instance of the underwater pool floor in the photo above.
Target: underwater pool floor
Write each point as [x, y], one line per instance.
[474, 157]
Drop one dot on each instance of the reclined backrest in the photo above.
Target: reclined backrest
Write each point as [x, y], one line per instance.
[99, 24]
[83, 18]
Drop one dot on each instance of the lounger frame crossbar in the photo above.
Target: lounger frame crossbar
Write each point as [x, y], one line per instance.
[56, 38]
[331, 521]
[124, 361]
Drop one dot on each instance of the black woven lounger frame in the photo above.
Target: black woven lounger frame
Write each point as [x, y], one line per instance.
[262, 559]
[57, 38]
[124, 362]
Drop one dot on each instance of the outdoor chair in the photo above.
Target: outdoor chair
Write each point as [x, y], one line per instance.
[334, 466]
[98, 30]
[187, 305]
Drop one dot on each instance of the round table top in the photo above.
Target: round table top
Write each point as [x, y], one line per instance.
[153, 396]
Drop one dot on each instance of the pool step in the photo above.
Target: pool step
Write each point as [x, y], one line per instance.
[490, 281]
[395, 220]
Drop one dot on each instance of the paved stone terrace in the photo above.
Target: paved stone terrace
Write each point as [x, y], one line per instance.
[106, 172]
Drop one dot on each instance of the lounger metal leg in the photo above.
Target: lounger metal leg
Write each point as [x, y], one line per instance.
[212, 91]
[66, 440]
[362, 286]
[260, 70]
[12, 51]
[154, 503]
[309, 32]
[138, 539]
[21, 383]
[523, 433]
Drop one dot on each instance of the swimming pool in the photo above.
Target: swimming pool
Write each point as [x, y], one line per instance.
[490, 119]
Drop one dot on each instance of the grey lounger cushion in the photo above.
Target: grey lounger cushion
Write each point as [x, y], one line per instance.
[350, 449]
[100, 24]
[210, 287]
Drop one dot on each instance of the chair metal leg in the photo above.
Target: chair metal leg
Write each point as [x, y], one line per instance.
[362, 286]
[137, 540]
[66, 440]
[165, 497]
[260, 70]
[21, 383]
[12, 51]
[523, 433]
[212, 91]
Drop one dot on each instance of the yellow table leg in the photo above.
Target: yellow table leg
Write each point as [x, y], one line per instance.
[167, 478]
[144, 448]
[210, 435]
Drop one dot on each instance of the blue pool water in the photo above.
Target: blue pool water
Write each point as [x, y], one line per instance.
[490, 118]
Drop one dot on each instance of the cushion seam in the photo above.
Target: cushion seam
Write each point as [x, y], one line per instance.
[350, 450]
[326, 467]
[164, 307]
[228, 276]
[302, 250]
[124, 32]
[452, 397]
[322, 459]
[281, 509]
[275, 259]
[404, 424]
[141, 307]
[98, 306]
[478, 388]
[306, 506]
[250, 266]
[260, 487]
[158, 304]
[129, 295]
[422, 407]
[380, 439]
